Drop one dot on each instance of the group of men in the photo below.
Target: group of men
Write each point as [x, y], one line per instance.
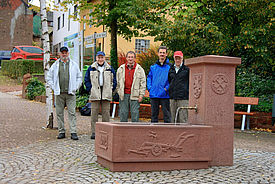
[168, 86]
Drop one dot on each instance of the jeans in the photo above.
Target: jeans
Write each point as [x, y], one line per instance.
[165, 105]
[124, 109]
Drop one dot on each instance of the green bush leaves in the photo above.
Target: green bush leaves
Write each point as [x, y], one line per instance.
[35, 88]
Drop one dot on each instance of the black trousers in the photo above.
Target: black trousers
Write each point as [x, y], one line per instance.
[165, 106]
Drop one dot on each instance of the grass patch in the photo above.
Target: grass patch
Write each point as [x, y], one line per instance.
[7, 81]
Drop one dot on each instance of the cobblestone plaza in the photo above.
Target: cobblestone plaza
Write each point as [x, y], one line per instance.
[31, 154]
[68, 161]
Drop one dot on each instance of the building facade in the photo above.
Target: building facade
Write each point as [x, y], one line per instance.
[66, 30]
[16, 24]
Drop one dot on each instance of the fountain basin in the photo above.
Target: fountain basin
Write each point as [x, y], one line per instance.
[150, 147]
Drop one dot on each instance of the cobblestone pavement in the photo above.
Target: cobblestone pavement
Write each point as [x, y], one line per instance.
[30, 154]
[21, 122]
[68, 161]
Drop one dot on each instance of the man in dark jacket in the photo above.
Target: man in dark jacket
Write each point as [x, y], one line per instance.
[179, 88]
[158, 85]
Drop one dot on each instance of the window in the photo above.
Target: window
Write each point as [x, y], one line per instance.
[50, 24]
[58, 23]
[91, 18]
[84, 23]
[69, 20]
[75, 11]
[7, 53]
[63, 20]
[141, 45]
[32, 50]
[15, 50]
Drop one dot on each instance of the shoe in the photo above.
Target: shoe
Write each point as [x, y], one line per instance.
[93, 136]
[61, 136]
[74, 136]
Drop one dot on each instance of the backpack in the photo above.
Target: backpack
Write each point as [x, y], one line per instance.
[82, 90]
[86, 110]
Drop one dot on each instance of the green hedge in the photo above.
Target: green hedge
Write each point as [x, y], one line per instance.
[17, 68]
[249, 83]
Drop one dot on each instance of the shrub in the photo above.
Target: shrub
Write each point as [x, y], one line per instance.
[81, 100]
[251, 84]
[17, 68]
[35, 88]
[121, 58]
[146, 59]
[146, 100]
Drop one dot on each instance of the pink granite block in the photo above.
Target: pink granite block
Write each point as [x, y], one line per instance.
[153, 143]
[212, 89]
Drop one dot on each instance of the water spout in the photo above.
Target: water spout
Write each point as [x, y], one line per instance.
[188, 108]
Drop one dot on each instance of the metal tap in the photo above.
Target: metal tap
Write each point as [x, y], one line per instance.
[189, 108]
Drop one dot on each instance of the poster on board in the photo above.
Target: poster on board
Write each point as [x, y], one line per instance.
[72, 43]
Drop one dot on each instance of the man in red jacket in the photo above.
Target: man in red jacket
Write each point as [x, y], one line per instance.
[131, 86]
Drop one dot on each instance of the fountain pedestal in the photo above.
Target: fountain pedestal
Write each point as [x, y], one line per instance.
[207, 139]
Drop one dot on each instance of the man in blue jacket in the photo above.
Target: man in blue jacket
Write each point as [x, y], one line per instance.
[158, 85]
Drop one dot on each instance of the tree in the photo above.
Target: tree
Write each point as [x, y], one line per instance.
[114, 15]
[46, 48]
[240, 28]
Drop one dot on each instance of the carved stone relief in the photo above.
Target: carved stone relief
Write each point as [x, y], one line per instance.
[103, 136]
[197, 84]
[156, 149]
[219, 83]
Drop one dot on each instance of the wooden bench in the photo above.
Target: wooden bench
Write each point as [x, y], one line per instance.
[246, 101]
[142, 105]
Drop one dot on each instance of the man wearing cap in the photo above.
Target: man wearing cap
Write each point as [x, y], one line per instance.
[131, 86]
[64, 78]
[179, 88]
[158, 85]
[100, 80]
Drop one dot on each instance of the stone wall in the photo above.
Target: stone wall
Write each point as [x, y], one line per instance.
[16, 24]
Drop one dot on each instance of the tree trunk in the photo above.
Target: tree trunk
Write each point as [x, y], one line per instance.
[114, 57]
[113, 27]
[46, 47]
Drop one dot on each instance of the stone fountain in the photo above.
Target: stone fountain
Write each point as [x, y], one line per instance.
[205, 141]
